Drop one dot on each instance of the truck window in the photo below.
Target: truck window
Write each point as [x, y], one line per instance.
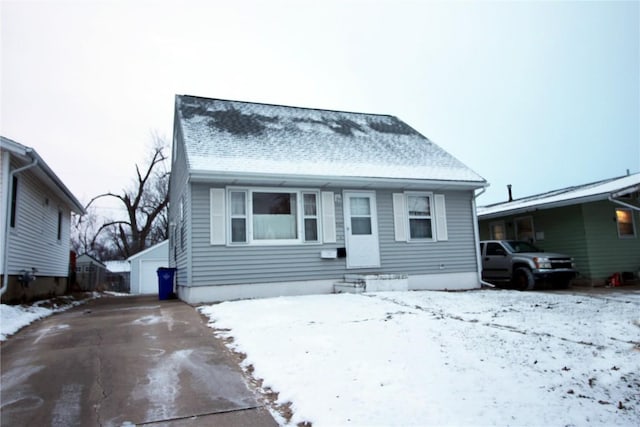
[495, 249]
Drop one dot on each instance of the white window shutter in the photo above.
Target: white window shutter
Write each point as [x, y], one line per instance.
[218, 212]
[399, 217]
[441, 218]
[328, 217]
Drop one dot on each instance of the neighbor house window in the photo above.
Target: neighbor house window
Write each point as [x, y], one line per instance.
[419, 209]
[497, 230]
[524, 229]
[14, 201]
[276, 216]
[59, 225]
[626, 226]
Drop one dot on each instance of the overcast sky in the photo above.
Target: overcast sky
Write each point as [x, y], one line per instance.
[541, 95]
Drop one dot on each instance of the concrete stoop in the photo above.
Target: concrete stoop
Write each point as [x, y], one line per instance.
[372, 282]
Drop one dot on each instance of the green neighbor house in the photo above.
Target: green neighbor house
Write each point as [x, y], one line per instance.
[597, 224]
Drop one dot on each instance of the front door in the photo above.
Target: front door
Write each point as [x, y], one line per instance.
[361, 229]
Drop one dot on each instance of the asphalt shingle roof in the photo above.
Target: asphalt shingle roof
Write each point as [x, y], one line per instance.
[242, 137]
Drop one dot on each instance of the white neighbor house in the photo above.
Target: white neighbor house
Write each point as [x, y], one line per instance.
[35, 225]
[270, 200]
[144, 279]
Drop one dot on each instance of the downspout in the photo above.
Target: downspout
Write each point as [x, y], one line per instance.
[477, 239]
[5, 261]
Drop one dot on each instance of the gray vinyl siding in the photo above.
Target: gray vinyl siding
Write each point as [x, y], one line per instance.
[179, 254]
[33, 242]
[225, 265]
[455, 255]
[228, 265]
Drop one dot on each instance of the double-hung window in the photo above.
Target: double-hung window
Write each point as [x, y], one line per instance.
[419, 217]
[273, 216]
[310, 201]
[419, 209]
[238, 207]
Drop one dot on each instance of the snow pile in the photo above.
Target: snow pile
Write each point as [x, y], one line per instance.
[431, 358]
[15, 317]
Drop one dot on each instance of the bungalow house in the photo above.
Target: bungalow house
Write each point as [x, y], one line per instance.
[34, 225]
[271, 200]
[597, 224]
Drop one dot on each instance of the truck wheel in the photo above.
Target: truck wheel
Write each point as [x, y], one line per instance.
[523, 279]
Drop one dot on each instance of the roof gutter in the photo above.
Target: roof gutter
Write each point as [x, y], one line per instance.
[5, 254]
[248, 178]
[625, 204]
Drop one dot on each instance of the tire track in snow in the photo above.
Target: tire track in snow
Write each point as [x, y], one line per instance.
[442, 314]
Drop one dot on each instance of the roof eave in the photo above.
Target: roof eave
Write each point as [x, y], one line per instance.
[26, 153]
[66, 194]
[543, 206]
[326, 181]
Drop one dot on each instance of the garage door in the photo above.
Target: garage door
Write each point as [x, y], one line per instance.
[149, 277]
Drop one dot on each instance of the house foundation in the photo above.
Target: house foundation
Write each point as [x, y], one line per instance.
[42, 287]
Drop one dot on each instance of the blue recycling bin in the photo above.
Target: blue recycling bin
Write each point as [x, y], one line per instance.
[165, 282]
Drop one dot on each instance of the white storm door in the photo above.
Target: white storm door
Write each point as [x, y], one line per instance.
[361, 230]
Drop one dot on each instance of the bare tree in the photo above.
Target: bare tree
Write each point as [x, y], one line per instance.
[86, 237]
[145, 207]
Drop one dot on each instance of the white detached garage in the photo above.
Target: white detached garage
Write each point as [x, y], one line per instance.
[144, 266]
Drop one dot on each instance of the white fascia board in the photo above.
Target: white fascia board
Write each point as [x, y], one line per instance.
[243, 178]
[147, 250]
[47, 175]
[58, 186]
[625, 191]
[532, 207]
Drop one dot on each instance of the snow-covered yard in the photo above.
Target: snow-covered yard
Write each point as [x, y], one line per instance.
[435, 358]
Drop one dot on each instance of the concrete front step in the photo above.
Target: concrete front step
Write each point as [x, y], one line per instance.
[372, 282]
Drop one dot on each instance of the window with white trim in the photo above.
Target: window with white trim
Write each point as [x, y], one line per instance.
[238, 213]
[272, 216]
[419, 216]
[625, 223]
[310, 216]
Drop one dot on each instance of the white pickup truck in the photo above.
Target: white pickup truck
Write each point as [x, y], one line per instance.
[520, 264]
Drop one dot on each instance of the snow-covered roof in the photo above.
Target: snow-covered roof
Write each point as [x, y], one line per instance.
[162, 248]
[119, 266]
[591, 192]
[230, 137]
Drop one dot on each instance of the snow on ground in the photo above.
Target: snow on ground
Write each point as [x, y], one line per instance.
[435, 358]
[15, 317]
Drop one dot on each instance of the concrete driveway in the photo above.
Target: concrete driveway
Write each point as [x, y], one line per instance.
[121, 361]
